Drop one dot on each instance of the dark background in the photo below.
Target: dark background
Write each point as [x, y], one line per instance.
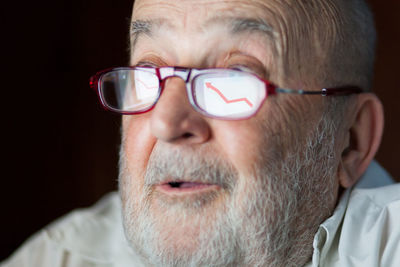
[60, 147]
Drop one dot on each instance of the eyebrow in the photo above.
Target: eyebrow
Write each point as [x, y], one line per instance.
[236, 25]
[242, 25]
[139, 27]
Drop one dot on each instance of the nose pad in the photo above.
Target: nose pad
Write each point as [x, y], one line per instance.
[173, 119]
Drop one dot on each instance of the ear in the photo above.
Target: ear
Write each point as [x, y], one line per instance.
[363, 138]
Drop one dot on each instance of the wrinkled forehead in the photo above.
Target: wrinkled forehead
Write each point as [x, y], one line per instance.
[190, 16]
[295, 28]
[196, 12]
[203, 26]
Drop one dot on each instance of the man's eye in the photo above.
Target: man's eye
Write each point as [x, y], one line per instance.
[146, 64]
[240, 67]
[258, 71]
[247, 69]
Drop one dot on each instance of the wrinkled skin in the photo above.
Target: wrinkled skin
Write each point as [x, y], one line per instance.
[272, 176]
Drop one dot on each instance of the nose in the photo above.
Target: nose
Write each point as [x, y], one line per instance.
[174, 120]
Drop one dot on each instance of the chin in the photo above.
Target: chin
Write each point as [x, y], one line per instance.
[187, 230]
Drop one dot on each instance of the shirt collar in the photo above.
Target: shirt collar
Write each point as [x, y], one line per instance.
[95, 234]
[375, 176]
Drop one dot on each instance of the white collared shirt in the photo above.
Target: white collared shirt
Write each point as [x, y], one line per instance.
[364, 231]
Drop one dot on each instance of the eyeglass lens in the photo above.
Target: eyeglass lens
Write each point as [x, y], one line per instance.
[228, 94]
[129, 90]
[221, 93]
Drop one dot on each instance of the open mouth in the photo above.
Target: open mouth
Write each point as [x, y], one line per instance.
[184, 186]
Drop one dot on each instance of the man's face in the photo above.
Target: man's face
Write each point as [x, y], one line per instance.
[202, 191]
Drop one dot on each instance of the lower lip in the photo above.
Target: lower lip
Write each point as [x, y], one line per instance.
[186, 188]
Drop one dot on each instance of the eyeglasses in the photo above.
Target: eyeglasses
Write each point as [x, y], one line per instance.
[217, 93]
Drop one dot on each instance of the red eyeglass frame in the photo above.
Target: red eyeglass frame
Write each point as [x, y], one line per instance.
[271, 89]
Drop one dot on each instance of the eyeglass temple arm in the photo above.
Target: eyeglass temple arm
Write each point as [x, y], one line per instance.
[93, 82]
[345, 90]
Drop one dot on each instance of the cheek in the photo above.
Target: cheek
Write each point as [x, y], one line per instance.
[137, 142]
[249, 143]
[242, 143]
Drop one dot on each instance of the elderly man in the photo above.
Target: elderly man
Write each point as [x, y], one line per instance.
[247, 124]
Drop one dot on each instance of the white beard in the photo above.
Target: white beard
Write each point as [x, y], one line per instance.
[268, 219]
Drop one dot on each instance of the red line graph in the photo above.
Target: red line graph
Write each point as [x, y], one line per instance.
[145, 85]
[226, 100]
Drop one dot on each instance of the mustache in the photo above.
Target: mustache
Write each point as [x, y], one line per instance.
[168, 164]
